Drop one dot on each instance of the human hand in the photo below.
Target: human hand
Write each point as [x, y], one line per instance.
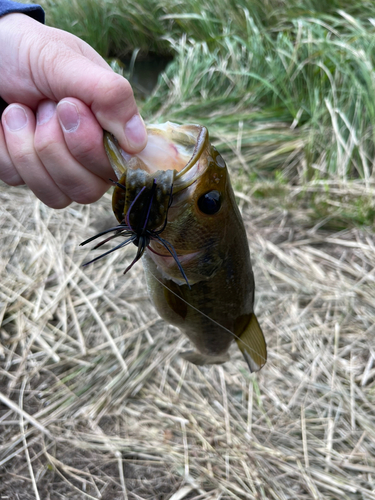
[61, 95]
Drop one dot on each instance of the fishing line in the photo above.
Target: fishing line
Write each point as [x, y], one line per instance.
[205, 315]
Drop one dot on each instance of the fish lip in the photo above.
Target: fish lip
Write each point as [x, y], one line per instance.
[183, 178]
[168, 260]
[201, 142]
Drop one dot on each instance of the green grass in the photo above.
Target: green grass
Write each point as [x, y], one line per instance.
[288, 84]
[334, 208]
[343, 212]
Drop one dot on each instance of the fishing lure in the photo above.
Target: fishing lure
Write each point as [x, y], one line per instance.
[199, 274]
[141, 234]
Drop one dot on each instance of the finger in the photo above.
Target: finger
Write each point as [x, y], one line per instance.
[8, 172]
[73, 179]
[108, 94]
[54, 65]
[19, 127]
[84, 137]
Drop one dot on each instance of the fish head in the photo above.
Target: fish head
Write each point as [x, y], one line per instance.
[199, 217]
[196, 201]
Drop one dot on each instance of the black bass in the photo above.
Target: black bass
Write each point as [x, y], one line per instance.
[175, 202]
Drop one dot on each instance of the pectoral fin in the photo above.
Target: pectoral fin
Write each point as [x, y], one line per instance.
[252, 344]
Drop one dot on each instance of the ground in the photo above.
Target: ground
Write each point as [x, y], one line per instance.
[96, 403]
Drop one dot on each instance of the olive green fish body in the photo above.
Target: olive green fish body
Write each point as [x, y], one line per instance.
[204, 226]
[211, 311]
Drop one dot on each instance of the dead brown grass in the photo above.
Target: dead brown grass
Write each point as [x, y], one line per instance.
[95, 402]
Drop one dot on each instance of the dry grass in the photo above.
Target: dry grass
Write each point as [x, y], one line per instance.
[95, 402]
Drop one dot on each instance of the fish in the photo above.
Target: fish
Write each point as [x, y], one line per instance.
[175, 202]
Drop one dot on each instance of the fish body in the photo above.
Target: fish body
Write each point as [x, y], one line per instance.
[212, 300]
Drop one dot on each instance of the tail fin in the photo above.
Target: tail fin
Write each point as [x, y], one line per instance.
[252, 344]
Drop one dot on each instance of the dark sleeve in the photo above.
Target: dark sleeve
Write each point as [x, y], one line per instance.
[9, 7]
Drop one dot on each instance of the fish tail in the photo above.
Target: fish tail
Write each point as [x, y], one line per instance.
[201, 359]
[252, 344]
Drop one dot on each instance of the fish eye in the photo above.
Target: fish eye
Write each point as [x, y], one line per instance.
[210, 202]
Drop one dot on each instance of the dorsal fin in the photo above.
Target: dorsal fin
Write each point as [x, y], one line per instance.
[252, 344]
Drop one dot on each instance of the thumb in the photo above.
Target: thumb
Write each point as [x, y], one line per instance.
[38, 62]
[108, 94]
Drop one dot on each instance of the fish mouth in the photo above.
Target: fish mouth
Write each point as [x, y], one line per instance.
[170, 147]
[166, 260]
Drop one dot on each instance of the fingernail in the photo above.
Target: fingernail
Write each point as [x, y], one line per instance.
[136, 133]
[68, 116]
[15, 118]
[45, 112]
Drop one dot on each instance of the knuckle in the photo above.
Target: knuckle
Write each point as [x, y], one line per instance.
[85, 151]
[57, 202]
[23, 155]
[8, 172]
[48, 62]
[115, 89]
[12, 179]
[10, 176]
[43, 144]
[88, 194]
[59, 205]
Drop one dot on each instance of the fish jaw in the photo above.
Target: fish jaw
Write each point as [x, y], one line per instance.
[170, 160]
[169, 147]
[166, 265]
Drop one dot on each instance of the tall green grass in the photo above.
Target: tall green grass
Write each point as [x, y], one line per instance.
[288, 85]
[309, 89]
[114, 26]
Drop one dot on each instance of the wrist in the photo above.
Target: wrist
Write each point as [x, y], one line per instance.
[17, 32]
[12, 26]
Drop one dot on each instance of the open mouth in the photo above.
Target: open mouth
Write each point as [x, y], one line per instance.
[169, 147]
[165, 259]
